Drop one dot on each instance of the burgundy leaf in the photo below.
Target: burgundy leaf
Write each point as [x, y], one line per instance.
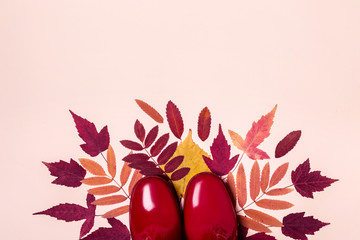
[297, 226]
[167, 153]
[260, 236]
[179, 174]
[204, 124]
[174, 164]
[287, 143]
[139, 130]
[151, 171]
[87, 226]
[220, 150]
[151, 136]
[95, 142]
[159, 145]
[68, 174]
[307, 182]
[91, 207]
[118, 231]
[142, 164]
[66, 212]
[174, 119]
[131, 145]
[136, 157]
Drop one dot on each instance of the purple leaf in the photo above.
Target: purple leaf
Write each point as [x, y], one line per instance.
[287, 143]
[174, 164]
[136, 157]
[131, 145]
[179, 174]
[174, 119]
[151, 171]
[150, 138]
[66, 212]
[167, 153]
[139, 130]
[142, 164]
[118, 231]
[159, 145]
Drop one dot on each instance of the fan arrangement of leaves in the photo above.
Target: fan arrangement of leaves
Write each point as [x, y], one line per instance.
[178, 161]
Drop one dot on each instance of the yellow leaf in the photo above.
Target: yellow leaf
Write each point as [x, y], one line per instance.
[111, 161]
[192, 159]
[103, 190]
[251, 224]
[109, 200]
[237, 140]
[263, 218]
[92, 167]
[116, 212]
[96, 180]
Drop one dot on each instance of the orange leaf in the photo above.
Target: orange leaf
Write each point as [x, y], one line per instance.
[263, 218]
[251, 224]
[109, 200]
[279, 191]
[135, 178]
[237, 140]
[92, 166]
[96, 180]
[111, 161]
[232, 187]
[274, 204]
[241, 191]
[265, 176]
[255, 181]
[149, 110]
[278, 174]
[103, 190]
[116, 212]
[125, 173]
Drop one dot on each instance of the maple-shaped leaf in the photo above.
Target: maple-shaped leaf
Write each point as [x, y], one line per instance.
[118, 231]
[307, 182]
[287, 143]
[68, 174]
[220, 151]
[297, 226]
[204, 124]
[95, 142]
[174, 119]
[89, 222]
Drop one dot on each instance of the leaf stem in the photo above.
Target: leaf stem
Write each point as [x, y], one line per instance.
[156, 162]
[238, 162]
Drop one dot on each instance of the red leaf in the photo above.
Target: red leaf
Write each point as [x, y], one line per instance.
[174, 164]
[151, 171]
[139, 130]
[86, 226]
[66, 212]
[260, 236]
[95, 142]
[142, 164]
[136, 157]
[174, 119]
[297, 226]
[89, 222]
[287, 143]
[149, 110]
[151, 136]
[204, 124]
[220, 151]
[167, 153]
[179, 174]
[68, 174]
[131, 145]
[159, 145]
[307, 182]
[118, 231]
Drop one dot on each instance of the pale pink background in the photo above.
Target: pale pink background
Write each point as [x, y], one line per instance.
[239, 58]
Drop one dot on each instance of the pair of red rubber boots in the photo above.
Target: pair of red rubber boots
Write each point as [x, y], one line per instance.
[208, 212]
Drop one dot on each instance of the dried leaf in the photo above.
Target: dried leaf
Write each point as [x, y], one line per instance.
[307, 182]
[131, 145]
[173, 164]
[92, 167]
[68, 174]
[287, 143]
[232, 187]
[255, 153]
[273, 204]
[149, 110]
[220, 151]
[251, 224]
[95, 142]
[151, 136]
[139, 130]
[204, 124]
[179, 174]
[174, 119]
[111, 161]
[167, 153]
[136, 157]
[109, 200]
[125, 173]
[265, 177]
[151, 171]
[142, 164]
[66, 212]
[297, 226]
[260, 236]
[237, 140]
[278, 174]
[263, 218]
[89, 222]
[159, 145]
[92, 181]
[118, 231]
[255, 181]
[241, 190]
[135, 178]
[117, 212]
[279, 191]
[104, 190]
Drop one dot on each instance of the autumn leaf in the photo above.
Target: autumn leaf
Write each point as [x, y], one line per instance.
[232, 187]
[109, 200]
[241, 186]
[104, 190]
[111, 161]
[89, 222]
[118, 231]
[167, 153]
[92, 167]
[255, 181]
[279, 191]
[116, 212]
[139, 130]
[174, 119]
[151, 171]
[204, 124]
[173, 164]
[68, 174]
[297, 226]
[265, 177]
[263, 218]
[159, 145]
[221, 163]
[273, 204]
[307, 182]
[237, 140]
[131, 145]
[254, 225]
[151, 136]
[149, 110]
[92, 181]
[95, 142]
[125, 173]
[136, 157]
[278, 174]
[179, 174]
[287, 143]
[192, 159]
[260, 236]
[135, 178]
